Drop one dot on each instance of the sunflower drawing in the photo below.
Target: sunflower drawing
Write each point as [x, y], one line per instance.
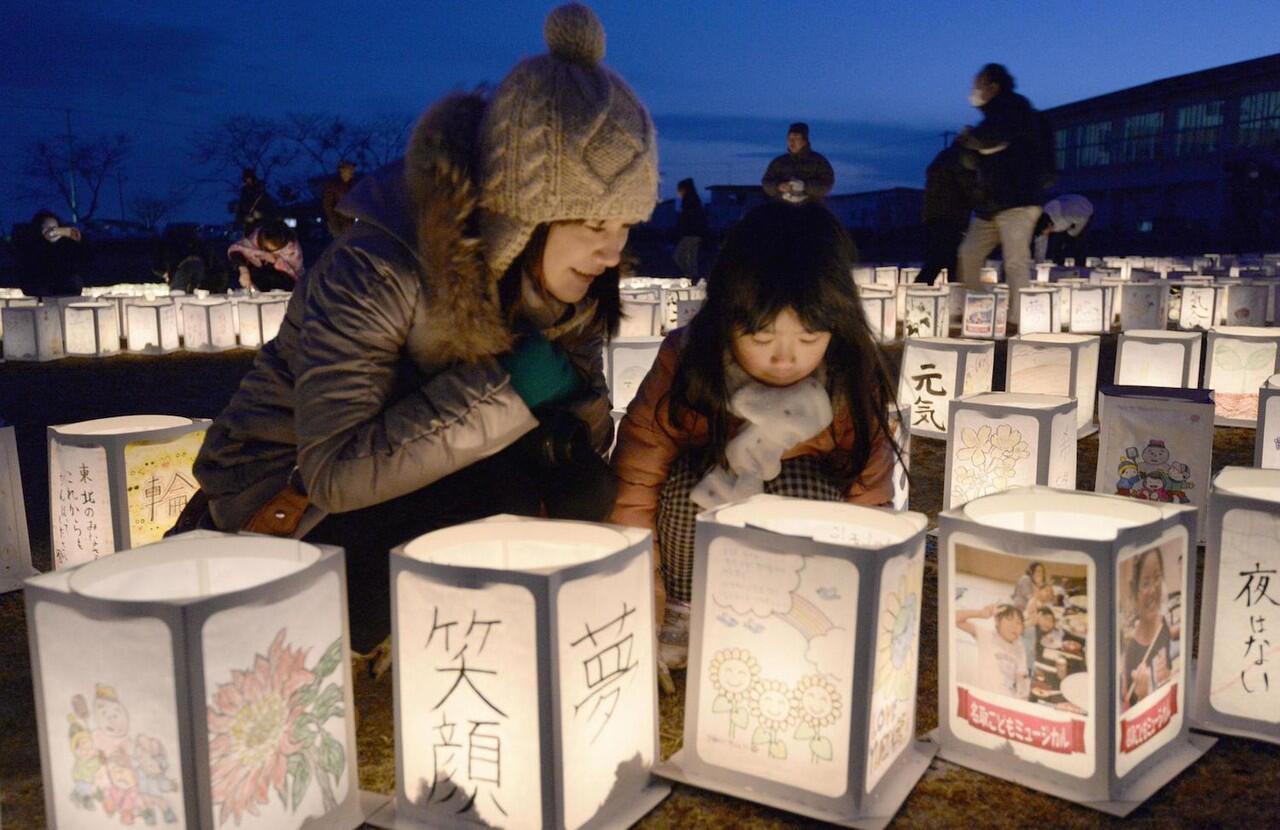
[772, 708]
[733, 673]
[898, 638]
[816, 704]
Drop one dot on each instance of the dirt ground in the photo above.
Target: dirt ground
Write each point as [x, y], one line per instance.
[1236, 784]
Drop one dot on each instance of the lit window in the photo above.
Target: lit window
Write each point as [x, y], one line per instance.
[1060, 148]
[1199, 129]
[1144, 226]
[1093, 144]
[1260, 119]
[1142, 136]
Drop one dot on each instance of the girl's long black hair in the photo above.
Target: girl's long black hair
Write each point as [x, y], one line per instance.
[782, 256]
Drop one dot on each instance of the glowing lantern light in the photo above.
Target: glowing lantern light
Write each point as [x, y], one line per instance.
[985, 313]
[92, 329]
[1266, 445]
[925, 312]
[1057, 364]
[630, 359]
[880, 308]
[1090, 309]
[32, 332]
[1239, 361]
[15, 300]
[1245, 304]
[1038, 311]
[1158, 358]
[1144, 305]
[642, 314]
[208, 325]
[15, 546]
[260, 319]
[152, 326]
[935, 371]
[1197, 306]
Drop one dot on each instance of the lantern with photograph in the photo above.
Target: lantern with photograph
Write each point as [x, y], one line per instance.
[1239, 360]
[1266, 443]
[15, 545]
[117, 483]
[1090, 309]
[1038, 311]
[925, 312]
[999, 440]
[1062, 663]
[1244, 304]
[1236, 659]
[260, 319]
[1197, 306]
[535, 639]
[935, 371]
[984, 316]
[196, 682]
[1155, 357]
[92, 329]
[801, 688]
[1057, 364]
[208, 325]
[152, 326]
[880, 309]
[629, 360]
[1144, 305]
[32, 332]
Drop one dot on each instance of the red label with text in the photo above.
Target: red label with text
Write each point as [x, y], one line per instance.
[1137, 731]
[1062, 737]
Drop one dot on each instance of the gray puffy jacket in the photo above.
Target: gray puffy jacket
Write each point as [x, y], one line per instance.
[383, 378]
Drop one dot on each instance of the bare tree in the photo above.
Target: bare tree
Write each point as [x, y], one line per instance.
[243, 141]
[324, 140]
[151, 209]
[73, 172]
[387, 136]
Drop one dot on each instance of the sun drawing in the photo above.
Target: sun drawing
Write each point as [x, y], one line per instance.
[896, 650]
[733, 671]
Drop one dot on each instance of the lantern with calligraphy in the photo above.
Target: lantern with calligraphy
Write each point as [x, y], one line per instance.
[1057, 364]
[208, 326]
[92, 329]
[1239, 361]
[32, 332]
[880, 309]
[1090, 309]
[1266, 443]
[925, 312]
[1196, 306]
[260, 318]
[630, 359]
[803, 657]
[1236, 660]
[1156, 357]
[1061, 662]
[1144, 305]
[935, 371]
[998, 440]
[116, 483]
[152, 326]
[1244, 304]
[525, 682]
[195, 682]
[15, 545]
[1038, 311]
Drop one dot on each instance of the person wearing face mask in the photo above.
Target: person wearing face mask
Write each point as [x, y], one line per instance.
[800, 173]
[1014, 165]
[441, 361]
[51, 256]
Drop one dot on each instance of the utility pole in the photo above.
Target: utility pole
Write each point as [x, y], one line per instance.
[120, 192]
[71, 174]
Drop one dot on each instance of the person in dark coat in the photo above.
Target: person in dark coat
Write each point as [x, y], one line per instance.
[948, 201]
[255, 205]
[51, 256]
[691, 229]
[800, 173]
[335, 190]
[188, 263]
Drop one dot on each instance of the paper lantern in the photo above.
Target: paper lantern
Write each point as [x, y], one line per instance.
[984, 316]
[1143, 275]
[116, 483]
[260, 319]
[1156, 357]
[1071, 704]
[32, 333]
[92, 329]
[900, 432]
[1196, 307]
[1156, 444]
[1057, 364]
[907, 275]
[925, 312]
[935, 371]
[1038, 311]
[152, 326]
[15, 301]
[1236, 660]
[1090, 309]
[1144, 305]
[998, 440]
[803, 654]
[880, 309]
[989, 275]
[1244, 304]
[642, 315]
[208, 326]
[629, 359]
[1042, 271]
[15, 546]
[1266, 443]
[200, 682]
[886, 276]
[525, 682]
[1239, 361]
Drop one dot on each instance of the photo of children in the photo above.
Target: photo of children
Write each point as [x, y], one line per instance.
[1022, 628]
[1150, 593]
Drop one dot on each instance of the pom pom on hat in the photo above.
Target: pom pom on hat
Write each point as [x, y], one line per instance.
[574, 33]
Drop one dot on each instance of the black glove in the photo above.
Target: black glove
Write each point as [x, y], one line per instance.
[573, 480]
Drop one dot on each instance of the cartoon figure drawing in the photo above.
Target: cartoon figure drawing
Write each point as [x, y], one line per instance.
[86, 768]
[112, 718]
[1128, 477]
[151, 767]
[122, 794]
[1179, 482]
[1155, 457]
[1152, 476]
[1153, 488]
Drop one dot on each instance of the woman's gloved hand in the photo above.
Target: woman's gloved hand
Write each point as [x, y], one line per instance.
[540, 371]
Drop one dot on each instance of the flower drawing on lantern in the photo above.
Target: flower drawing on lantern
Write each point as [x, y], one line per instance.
[733, 674]
[771, 707]
[1239, 369]
[895, 660]
[816, 704]
[987, 461]
[266, 731]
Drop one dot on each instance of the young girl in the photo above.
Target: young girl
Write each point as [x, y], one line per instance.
[775, 386]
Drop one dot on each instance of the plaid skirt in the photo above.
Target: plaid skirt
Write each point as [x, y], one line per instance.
[801, 477]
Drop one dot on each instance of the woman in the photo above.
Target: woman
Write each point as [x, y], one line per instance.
[1147, 656]
[1028, 585]
[442, 360]
[50, 256]
[269, 258]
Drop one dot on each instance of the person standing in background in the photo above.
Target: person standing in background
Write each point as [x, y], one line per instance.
[800, 173]
[334, 191]
[691, 229]
[948, 201]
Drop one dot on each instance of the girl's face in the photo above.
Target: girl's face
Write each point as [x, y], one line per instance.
[1037, 574]
[783, 352]
[578, 252]
[1150, 581]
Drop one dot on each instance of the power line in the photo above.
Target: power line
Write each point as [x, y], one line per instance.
[97, 114]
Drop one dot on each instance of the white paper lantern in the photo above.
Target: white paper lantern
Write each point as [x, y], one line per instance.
[886, 276]
[989, 275]
[1059, 709]
[629, 359]
[907, 275]
[1057, 364]
[1090, 309]
[208, 326]
[196, 683]
[1038, 311]
[32, 333]
[15, 546]
[15, 301]
[1156, 357]
[92, 329]
[1244, 304]
[986, 313]
[1239, 361]
[999, 440]
[260, 319]
[1144, 275]
[925, 312]
[526, 691]
[803, 657]
[880, 309]
[935, 371]
[116, 483]
[1197, 307]
[863, 275]
[1266, 443]
[1144, 305]
[900, 432]
[1042, 271]
[152, 326]
[1233, 692]
[642, 315]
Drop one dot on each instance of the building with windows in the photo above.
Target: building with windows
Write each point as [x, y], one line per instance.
[1184, 164]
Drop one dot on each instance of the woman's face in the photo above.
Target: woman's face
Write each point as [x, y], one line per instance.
[1150, 579]
[1037, 574]
[578, 252]
[783, 352]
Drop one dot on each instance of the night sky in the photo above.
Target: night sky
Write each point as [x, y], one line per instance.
[879, 82]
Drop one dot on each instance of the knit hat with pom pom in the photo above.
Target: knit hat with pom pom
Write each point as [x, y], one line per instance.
[564, 138]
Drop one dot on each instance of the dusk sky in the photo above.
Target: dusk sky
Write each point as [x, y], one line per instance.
[878, 81]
